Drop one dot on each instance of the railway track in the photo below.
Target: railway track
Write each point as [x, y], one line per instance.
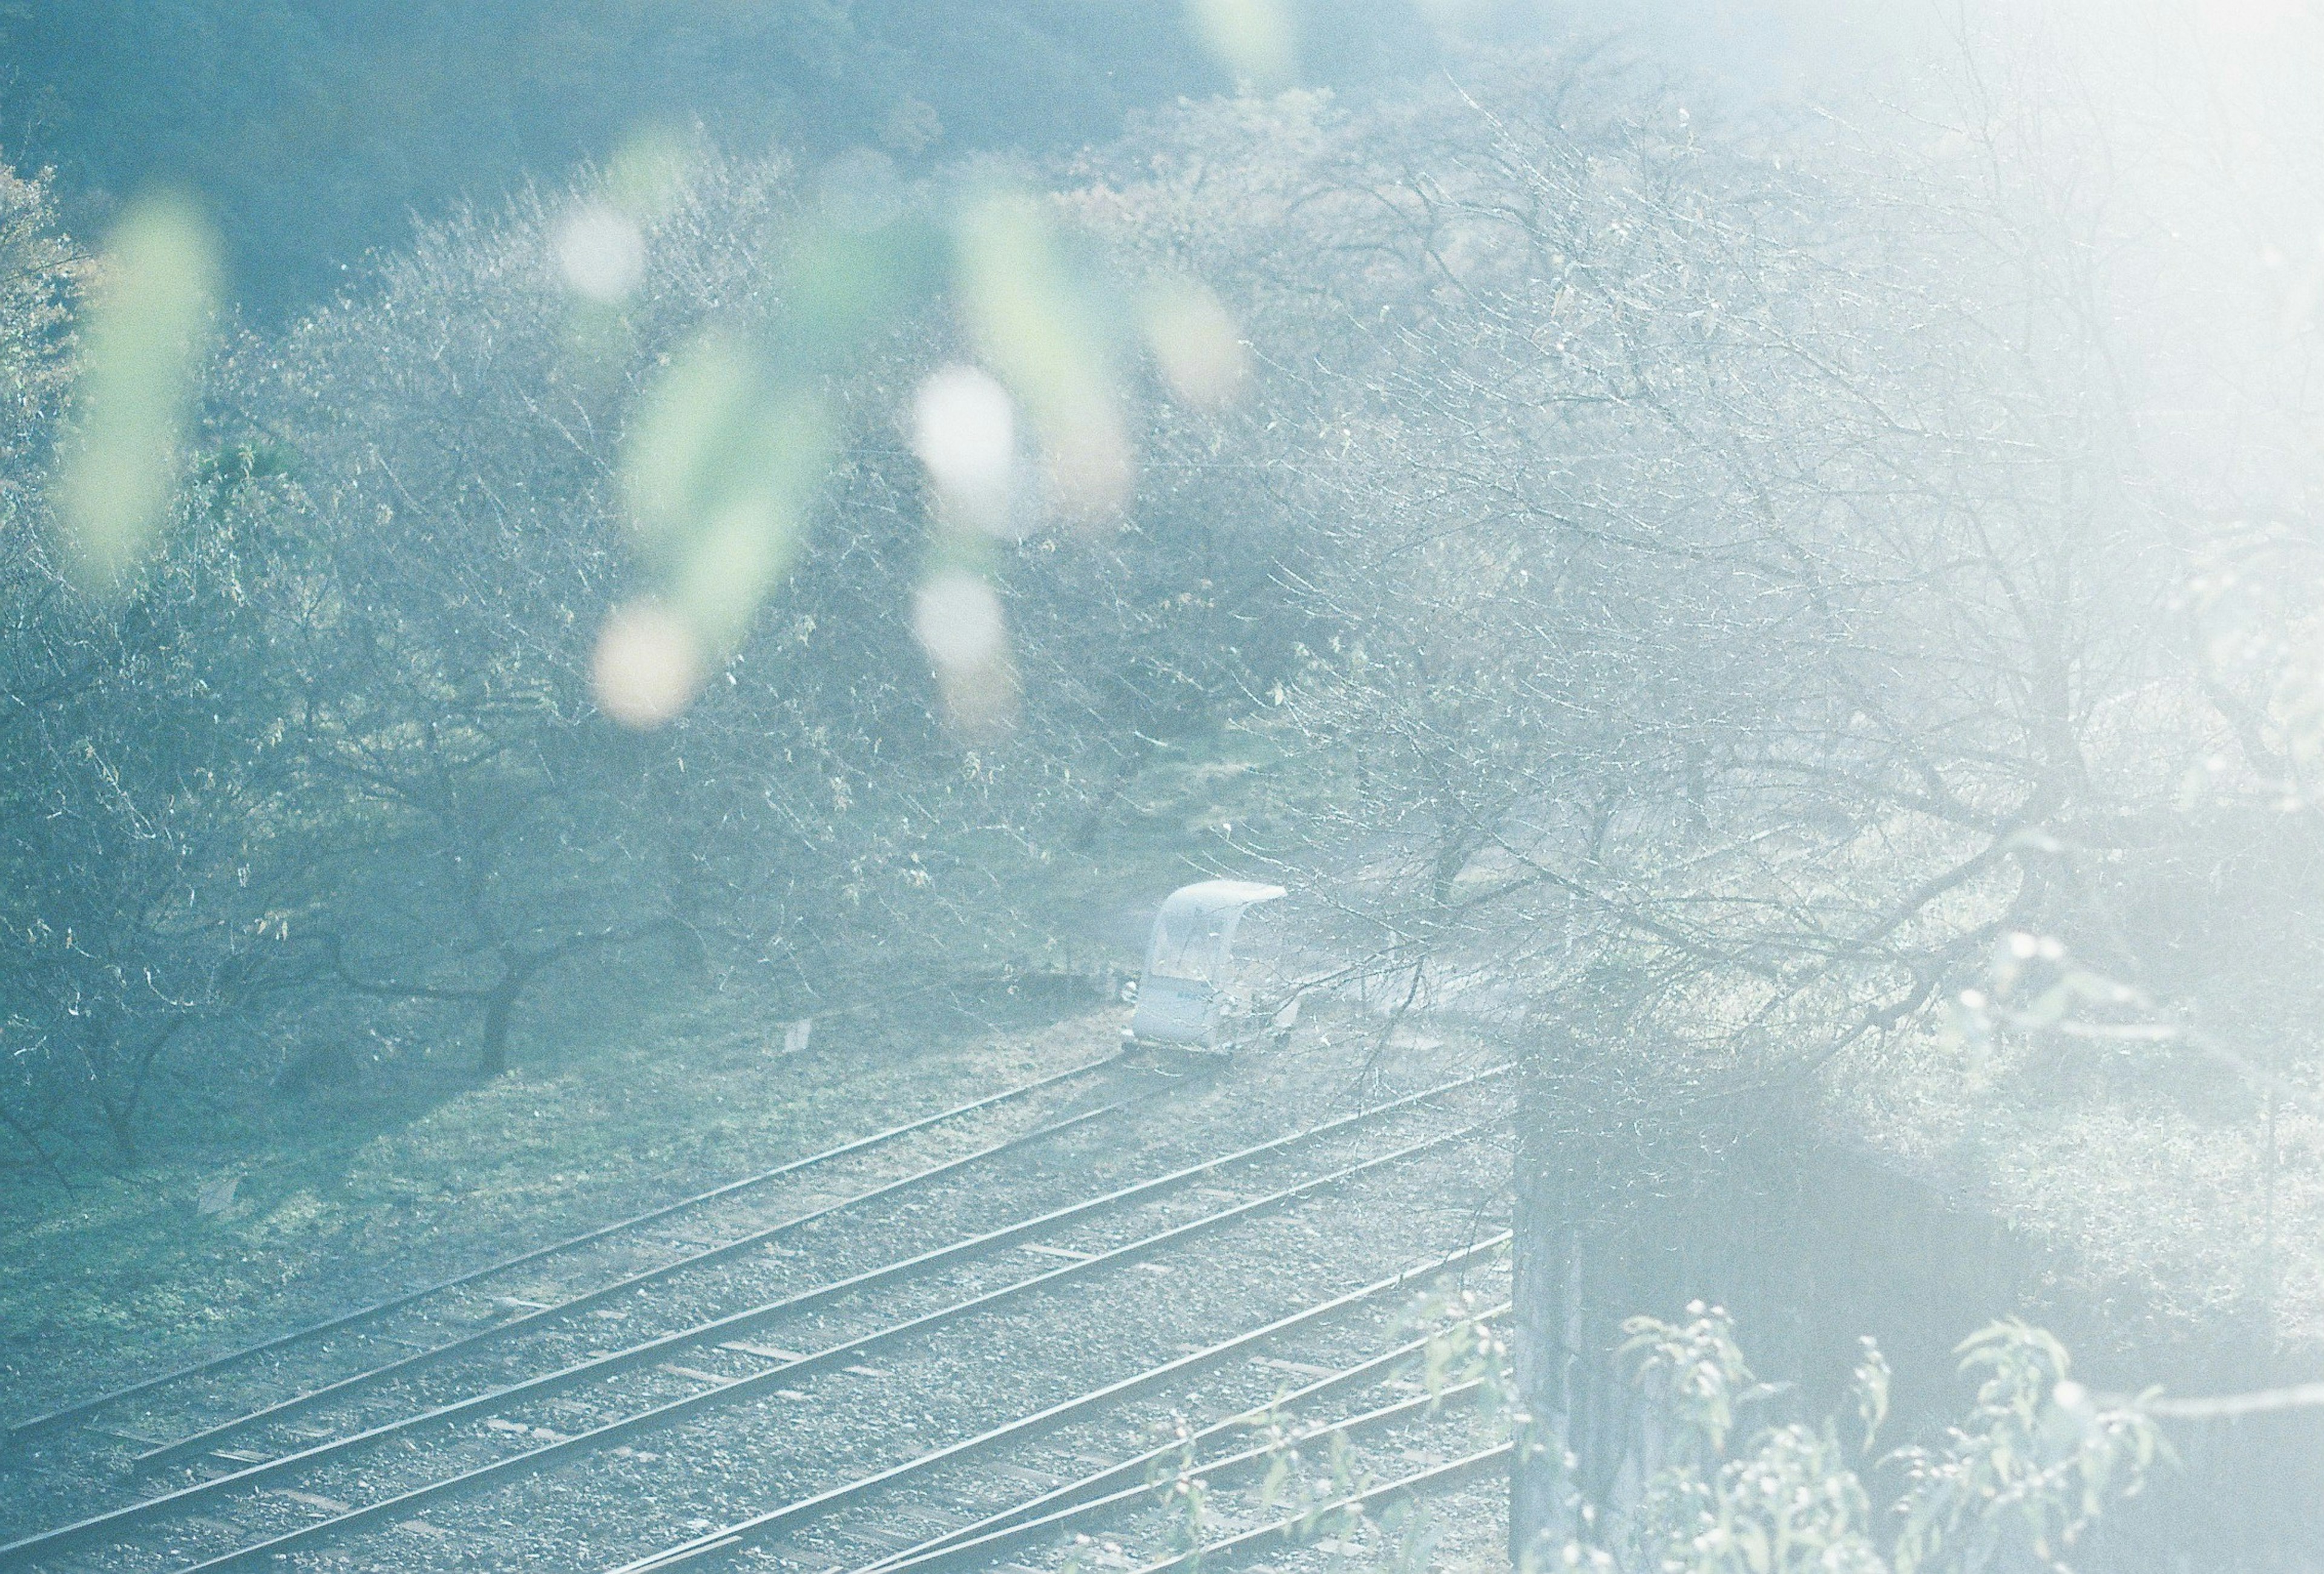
[83, 1410]
[281, 1410]
[1183, 1460]
[1285, 1531]
[1102, 1490]
[1208, 1475]
[614, 1395]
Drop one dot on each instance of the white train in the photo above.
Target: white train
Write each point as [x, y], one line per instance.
[1214, 974]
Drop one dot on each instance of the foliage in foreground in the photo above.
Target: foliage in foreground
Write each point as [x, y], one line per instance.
[1726, 1480]
[2015, 1484]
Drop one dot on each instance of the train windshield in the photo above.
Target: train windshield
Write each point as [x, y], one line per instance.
[1194, 935]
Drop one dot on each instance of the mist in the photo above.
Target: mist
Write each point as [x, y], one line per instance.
[1445, 784]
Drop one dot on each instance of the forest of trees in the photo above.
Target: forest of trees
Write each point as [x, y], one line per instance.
[316, 129]
[1815, 623]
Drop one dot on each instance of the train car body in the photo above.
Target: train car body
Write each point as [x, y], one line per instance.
[1214, 968]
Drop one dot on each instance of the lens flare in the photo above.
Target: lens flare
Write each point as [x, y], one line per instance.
[145, 340]
[959, 622]
[1092, 466]
[602, 253]
[648, 174]
[964, 431]
[1253, 40]
[1197, 345]
[1035, 322]
[647, 664]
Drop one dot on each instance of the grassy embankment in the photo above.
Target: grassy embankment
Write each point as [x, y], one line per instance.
[612, 1104]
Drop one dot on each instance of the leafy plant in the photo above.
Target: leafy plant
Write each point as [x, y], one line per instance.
[2015, 1484]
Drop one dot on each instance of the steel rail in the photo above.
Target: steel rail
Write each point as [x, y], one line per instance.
[718, 1542]
[201, 1441]
[1090, 1494]
[1287, 1528]
[830, 1355]
[584, 1371]
[17, 1431]
[944, 1551]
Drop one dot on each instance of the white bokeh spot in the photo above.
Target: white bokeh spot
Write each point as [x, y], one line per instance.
[964, 431]
[958, 621]
[600, 252]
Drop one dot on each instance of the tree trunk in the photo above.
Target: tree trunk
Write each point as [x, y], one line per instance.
[119, 1124]
[499, 1007]
[1538, 1520]
[112, 1083]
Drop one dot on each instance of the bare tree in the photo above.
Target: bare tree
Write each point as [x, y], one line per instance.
[1756, 599]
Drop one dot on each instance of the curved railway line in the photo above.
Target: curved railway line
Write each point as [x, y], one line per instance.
[82, 1410]
[208, 1438]
[1131, 1482]
[745, 1373]
[1088, 1496]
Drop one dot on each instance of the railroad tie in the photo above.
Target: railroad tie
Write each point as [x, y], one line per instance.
[767, 1352]
[694, 1374]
